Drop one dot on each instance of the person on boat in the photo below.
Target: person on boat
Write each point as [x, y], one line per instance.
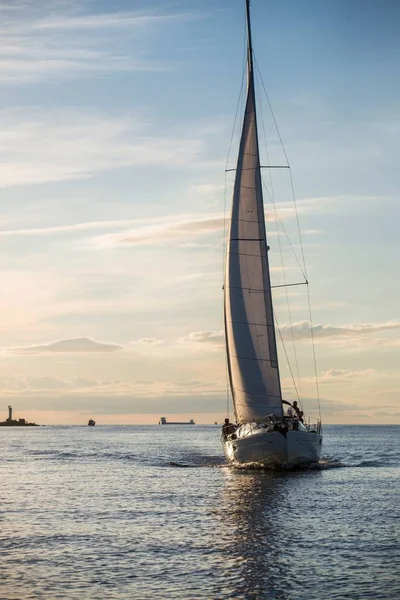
[299, 412]
[289, 412]
[227, 428]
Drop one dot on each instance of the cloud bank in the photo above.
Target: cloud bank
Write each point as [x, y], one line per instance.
[69, 345]
[302, 329]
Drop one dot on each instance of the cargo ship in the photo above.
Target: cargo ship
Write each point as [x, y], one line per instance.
[163, 421]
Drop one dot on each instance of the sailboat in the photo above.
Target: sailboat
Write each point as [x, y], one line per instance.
[266, 433]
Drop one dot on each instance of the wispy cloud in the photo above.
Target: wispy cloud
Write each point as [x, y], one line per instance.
[108, 20]
[345, 375]
[196, 338]
[178, 228]
[302, 329]
[50, 41]
[184, 228]
[148, 341]
[79, 144]
[70, 345]
[318, 205]
[139, 232]
[207, 190]
[73, 228]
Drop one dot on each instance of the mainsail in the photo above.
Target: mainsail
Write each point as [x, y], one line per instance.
[249, 320]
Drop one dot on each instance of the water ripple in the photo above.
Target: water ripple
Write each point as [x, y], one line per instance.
[151, 512]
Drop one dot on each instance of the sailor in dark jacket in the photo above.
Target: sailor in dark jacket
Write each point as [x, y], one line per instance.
[227, 428]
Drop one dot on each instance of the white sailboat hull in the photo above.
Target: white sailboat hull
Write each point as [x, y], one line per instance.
[274, 449]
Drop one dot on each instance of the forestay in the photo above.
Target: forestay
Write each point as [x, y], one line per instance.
[249, 322]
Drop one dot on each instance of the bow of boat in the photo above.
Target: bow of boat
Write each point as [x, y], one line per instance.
[274, 449]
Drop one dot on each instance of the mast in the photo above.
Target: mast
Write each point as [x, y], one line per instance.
[249, 47]
[249, 321]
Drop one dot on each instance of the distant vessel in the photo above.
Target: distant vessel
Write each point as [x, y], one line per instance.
[91, 423]
[10, 422]
[163, 421]
[263, 433]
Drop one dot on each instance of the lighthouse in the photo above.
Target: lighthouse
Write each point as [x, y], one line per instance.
[9, 422]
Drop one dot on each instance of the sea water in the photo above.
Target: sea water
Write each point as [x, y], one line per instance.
[154, 512]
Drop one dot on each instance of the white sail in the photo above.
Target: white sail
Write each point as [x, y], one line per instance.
[249, 321]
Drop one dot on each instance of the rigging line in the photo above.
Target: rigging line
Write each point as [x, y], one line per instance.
[286, 285]
[234, 122]
[289, 284]
[308, 295]
[284, 230]
[272, 195]
[272, 112]
[284, 349]
[298, 224]
[313, 351]
[299, 233]
[288, 164]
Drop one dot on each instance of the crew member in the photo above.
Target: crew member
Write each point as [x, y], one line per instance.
[298, 411]
[227, 428]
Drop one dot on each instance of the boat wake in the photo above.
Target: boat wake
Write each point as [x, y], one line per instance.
[326, 463]
[117, 456]
[373, 463]
[55, 455]
[330, 463]
[197, 462]
[321, 465]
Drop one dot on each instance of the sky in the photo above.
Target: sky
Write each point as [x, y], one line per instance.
[115, 126]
